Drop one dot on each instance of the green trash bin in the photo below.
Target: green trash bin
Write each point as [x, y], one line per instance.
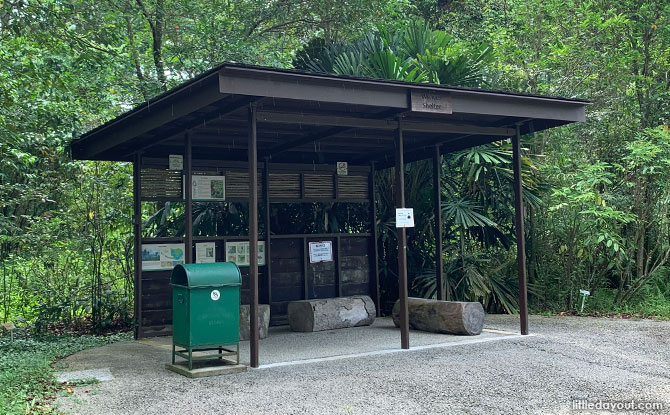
[206, 311]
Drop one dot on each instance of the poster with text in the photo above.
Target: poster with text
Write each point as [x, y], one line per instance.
[320, 252]
[238, 252]
[209, 188]
[157, 257]
[205, 252]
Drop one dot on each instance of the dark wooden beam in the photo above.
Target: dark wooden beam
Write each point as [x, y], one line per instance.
[323, 134]
[437, 196]
[390, 94]
[188, 196]
[268, 242]
[424, 151]
[417, 151]
[137, 238]
[520, 233]
[380, 124]
[253, 237]
[247, 81]
[402, 240]
[375, 243]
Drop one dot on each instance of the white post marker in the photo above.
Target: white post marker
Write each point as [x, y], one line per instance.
[584, 294]
[404, 218]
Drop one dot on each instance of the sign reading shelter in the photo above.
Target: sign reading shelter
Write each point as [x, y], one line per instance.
[404, 218]
[320, 252]
[431, 101]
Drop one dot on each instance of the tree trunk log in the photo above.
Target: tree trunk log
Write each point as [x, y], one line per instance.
[331, 313]
[453, 317]
[263, 321]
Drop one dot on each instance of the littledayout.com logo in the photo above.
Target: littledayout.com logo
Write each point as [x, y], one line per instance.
[604, 405]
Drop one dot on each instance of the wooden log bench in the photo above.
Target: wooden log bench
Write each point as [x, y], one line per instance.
[331, 313]
[452, 317]
[263, 321]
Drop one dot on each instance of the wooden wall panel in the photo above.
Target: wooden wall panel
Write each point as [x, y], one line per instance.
[287, 277]
[356, 270]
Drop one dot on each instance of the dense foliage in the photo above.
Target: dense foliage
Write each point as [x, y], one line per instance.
[597, 192]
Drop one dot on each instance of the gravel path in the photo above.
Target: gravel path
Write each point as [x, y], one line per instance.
[567, 358]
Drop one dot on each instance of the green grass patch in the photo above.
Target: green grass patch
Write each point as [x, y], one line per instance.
[651, 303]
[27, 366]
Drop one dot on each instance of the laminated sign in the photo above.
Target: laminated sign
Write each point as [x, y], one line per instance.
[320, 251]
[404, 218]
[176, 162]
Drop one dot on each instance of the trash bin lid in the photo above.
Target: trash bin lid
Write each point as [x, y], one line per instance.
[206, 275]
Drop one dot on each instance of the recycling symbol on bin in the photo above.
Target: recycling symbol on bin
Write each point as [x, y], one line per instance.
[215, 295]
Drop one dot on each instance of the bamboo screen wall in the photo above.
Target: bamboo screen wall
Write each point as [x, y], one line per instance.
[167, 184]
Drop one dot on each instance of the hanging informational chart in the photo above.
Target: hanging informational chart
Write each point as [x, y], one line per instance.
[238, 252]
[157, 257]
[205, 252]
[209, 187]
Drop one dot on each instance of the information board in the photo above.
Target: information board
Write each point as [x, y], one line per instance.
[209, 187]
[238, 253]
[205, 252]
[157, 257]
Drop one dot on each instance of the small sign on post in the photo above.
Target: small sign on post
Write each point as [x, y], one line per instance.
[584, 294]
[404, 218]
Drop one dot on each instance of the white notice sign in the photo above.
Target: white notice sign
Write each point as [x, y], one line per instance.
[176, 162]
[209, 188]
[320, 251]
[404, 218]
[205, 252]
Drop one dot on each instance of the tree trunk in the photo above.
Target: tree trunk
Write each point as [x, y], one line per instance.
[452, 317]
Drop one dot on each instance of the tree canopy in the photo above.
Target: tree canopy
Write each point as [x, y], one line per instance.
[597, 192]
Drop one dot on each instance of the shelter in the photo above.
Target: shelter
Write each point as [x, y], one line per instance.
[299, 126]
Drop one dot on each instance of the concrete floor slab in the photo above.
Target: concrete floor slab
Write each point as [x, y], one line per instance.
[100, 375]
[567, 360]
[206, 369]
[285, 346]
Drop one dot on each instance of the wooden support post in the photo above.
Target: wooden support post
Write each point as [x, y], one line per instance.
[305, 267]
[266, 199]
[375, 242]
[402, 240]
[253, 237]
[137, 235]
[188, 195]
[437, 194]
[520, 234]
[338, 265]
